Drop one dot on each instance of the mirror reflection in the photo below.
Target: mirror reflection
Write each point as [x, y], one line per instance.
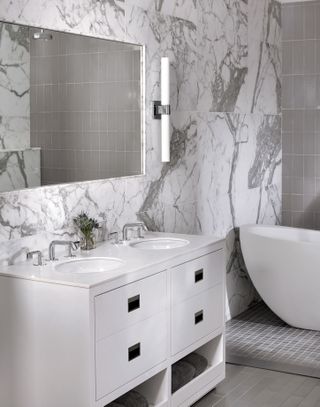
[70, 108]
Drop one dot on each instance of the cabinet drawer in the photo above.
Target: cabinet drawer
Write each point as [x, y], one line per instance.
[121, 308]
[195, 318]
[124, 356]
[198, 275]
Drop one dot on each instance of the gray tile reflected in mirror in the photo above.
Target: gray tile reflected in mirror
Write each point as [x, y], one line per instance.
[81, 109]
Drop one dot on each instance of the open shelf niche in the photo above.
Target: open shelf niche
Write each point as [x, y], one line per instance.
[155, 390]
[214, 353]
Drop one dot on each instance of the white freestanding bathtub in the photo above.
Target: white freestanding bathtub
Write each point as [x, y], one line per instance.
[284, 266]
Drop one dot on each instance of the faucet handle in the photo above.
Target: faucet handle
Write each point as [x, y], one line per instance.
[73, 246]
[39, 261]
[142, 226]
[114, 236]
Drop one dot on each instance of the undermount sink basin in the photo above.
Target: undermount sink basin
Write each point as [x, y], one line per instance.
[163, 243]
[89, 265]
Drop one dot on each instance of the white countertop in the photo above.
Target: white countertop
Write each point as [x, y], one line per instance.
[135, 261]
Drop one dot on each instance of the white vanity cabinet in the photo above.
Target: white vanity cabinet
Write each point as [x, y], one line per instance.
[131, 332]
[197, 300]
[197, 321]
[78, 345]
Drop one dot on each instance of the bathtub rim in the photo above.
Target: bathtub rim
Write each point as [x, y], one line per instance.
[251, 229]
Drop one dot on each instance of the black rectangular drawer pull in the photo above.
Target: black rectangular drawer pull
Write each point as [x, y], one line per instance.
[198, 317]
[134, 352]
[133, 303]
[198, 276]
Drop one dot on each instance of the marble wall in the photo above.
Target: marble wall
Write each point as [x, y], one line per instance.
[14, 87]
[19, 169]
[19, 165]
[225, 168]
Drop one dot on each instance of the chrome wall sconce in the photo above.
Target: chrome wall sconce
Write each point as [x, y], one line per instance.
[162, 109]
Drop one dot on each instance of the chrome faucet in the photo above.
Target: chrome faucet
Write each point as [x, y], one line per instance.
[137, 225]
[39, 261]
[69, 244]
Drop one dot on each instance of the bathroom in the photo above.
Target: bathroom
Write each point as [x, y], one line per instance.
[236, 144]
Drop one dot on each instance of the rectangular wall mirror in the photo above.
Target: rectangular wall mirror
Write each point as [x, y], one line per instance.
[71, 108]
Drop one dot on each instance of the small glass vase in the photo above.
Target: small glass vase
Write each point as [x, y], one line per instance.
[88, 241]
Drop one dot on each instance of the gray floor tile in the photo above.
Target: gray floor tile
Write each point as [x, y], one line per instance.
[251, 387]
[259, 338]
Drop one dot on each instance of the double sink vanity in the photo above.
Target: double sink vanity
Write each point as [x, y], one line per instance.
[81, 332]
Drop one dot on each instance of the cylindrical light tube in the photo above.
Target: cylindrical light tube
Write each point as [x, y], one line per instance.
[165, 101]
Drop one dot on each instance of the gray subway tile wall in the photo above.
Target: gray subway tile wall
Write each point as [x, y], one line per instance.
[301, 114]
[81, 116]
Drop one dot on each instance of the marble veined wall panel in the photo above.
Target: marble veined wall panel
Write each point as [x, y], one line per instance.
[19, 169]
[14, 86]
[225, 168]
